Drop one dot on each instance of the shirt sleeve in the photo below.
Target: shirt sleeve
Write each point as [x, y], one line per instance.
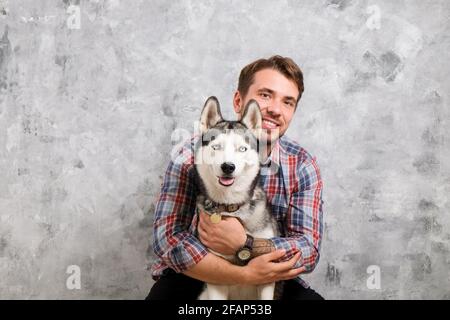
[172, 240]
[304, 218]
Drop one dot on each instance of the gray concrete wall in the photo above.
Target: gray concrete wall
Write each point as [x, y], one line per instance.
[88, 105]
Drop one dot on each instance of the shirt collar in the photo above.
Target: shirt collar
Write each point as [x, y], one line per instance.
[274, 155]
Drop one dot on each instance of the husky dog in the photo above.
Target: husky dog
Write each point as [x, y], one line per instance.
[227, 168]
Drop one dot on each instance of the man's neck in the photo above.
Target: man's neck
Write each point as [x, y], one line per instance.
[268, 151]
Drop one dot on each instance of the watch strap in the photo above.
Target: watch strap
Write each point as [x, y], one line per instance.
[249, 242]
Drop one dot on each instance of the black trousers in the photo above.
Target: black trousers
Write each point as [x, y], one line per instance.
[179, 287]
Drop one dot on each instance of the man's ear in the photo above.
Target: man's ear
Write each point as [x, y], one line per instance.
[210, 115]
[237, 103]
[252, 117]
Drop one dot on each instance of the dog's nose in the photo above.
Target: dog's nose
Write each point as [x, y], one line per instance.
[227, 167]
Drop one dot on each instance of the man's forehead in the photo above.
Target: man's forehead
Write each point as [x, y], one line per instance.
[275, 81]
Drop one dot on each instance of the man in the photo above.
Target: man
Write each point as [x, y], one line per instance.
[294, 192]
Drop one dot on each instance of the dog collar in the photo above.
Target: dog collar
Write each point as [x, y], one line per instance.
[213, 207]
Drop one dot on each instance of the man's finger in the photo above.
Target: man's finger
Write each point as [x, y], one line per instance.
[287, 265]
[201, 230]
[203, 236]
[291, 274]
[202, 215]
[205, 218]
[201, 224]
[205, 222]
[274, 255]
[225, 218]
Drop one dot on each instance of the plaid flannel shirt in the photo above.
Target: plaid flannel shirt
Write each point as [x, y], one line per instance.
[294, 192]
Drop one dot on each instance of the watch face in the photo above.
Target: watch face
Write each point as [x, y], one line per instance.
[244, 254]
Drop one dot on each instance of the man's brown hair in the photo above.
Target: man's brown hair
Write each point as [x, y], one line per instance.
[284, 65]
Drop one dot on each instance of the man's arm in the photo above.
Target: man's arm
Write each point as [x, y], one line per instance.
[172, 241]
[227, 237]
[305, 218]
[215, 270]
[261, 270]
[262, 246]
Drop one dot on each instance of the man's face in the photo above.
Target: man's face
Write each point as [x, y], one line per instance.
[277, 98]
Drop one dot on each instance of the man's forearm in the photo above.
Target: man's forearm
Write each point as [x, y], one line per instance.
[262, 246]
[216, 270]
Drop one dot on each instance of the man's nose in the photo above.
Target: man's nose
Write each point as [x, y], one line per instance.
[274, 107]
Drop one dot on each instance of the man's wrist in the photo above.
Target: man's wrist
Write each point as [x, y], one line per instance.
[262, 246]
[243, 275]
[242, 242]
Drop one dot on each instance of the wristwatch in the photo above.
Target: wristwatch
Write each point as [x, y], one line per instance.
[245, 253]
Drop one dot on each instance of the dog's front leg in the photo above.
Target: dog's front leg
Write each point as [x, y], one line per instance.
[217, 292]
[266, 291]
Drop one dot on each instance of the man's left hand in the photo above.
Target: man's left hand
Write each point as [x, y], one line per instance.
[225, 237]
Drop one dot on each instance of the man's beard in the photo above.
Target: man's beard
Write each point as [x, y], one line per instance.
[267, 139]
[270, 136]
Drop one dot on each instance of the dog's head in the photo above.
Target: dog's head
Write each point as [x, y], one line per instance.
[227, 158]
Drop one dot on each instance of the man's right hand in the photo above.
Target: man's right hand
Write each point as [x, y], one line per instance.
[263, 269]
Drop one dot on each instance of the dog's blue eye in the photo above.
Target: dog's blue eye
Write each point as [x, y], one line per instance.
[242, 149]
[215, 147]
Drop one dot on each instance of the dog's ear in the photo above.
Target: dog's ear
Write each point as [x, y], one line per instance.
[252, 117]
[210, 115]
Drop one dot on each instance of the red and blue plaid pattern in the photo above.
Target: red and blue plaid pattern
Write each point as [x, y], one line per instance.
[294, 192]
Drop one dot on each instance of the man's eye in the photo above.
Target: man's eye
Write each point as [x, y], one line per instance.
[289, 103]
[264, 95]
[242, 149]
[215, 147]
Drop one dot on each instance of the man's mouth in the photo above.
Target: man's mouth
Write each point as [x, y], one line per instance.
[269, 124]
[226, 181]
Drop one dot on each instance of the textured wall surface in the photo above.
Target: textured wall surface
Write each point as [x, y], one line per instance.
[89, 103]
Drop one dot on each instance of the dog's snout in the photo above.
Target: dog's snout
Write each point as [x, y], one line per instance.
[227, 167]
